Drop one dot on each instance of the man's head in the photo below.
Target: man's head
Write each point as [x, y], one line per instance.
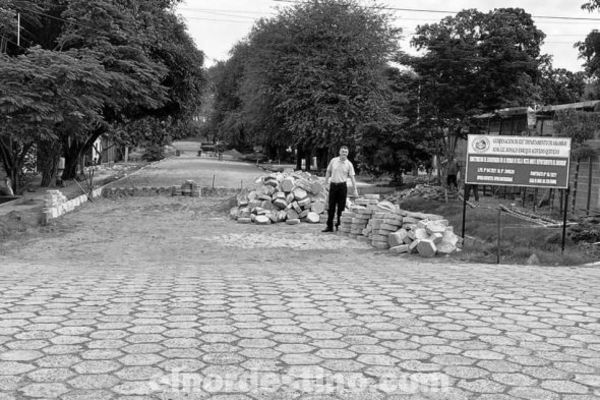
[344, 153]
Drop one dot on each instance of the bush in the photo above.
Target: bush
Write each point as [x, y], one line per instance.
[153, 152]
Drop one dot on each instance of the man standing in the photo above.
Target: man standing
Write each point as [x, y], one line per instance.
[451, 174]
[339, 170]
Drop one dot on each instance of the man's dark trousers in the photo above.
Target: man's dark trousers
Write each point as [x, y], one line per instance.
[337, 198]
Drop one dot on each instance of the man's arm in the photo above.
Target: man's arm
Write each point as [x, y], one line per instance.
[352, 173]
[328, 173]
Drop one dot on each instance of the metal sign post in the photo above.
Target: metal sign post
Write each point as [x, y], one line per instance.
[564, 229]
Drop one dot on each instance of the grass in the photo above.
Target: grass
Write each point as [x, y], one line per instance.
[519, 241]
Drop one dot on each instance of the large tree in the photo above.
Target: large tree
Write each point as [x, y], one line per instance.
[316, 71]
[148, 66]
[475, 62]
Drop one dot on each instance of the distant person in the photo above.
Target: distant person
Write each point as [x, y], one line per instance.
[475, 192]
[338, 172]
[452, 173]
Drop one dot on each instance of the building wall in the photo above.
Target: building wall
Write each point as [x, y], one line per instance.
[583, 185]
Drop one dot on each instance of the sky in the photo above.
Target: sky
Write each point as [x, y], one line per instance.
[217, 26]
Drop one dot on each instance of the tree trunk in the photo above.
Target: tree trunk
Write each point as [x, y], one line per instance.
[13, 159]
[48, 156]
[575, 178]
[74, 150]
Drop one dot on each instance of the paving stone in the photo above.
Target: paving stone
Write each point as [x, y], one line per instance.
[88, 395]
[50, 374]
[531, 393]
[564, 387]
[302, 358]
[14, 368]
[20, 355]
[96, 381]
[466, 372]
[343, 365]
[44, 390]
[96, 366]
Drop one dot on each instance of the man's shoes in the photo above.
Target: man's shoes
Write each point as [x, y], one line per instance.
[327, 230]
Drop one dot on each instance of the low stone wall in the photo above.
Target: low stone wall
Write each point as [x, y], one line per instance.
[56, 204]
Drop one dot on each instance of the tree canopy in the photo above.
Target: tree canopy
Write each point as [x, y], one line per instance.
[86, 67]
[312, 74]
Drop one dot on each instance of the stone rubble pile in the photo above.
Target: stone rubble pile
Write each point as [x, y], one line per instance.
[427, 192]
[290, 197]
[385, 226]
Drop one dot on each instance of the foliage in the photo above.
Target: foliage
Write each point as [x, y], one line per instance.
[105, 63]
[475, 62]
[308, 77]
[579, 126]
[560, 86]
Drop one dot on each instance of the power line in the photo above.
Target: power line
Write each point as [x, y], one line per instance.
[553, 17]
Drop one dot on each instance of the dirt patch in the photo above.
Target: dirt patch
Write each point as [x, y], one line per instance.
[172, 230]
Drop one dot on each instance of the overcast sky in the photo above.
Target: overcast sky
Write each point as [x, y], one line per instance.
[217, 26]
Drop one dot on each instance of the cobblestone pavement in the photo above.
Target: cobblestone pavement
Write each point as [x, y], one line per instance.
[259, 325]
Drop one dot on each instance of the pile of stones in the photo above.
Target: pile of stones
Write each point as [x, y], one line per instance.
[424, 191]
[385, 226]
[290, 197]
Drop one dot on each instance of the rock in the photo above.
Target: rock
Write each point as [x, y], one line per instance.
[435, 227]
[281, 216]
[421, 234]
[400, 249]
[303, 214]
[318, 207]
[287, 184]
[273, 217]
[271, 181]
[426, 248]
[436, 237]
[313, 218]
[388, 227]
[533, 260]
[451, 238]
[262, 220]
[280, 203]
[304, 203]
[299, 193]
[297, 207]
[386, 205]
[410, 220]
[316, 188]
[293, 221]
[445, 248]
[292, 214]
[397, 238]
[413, 246]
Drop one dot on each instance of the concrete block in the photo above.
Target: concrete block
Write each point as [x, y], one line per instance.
[292, 214]
[397, 238]
[313, 218]
[421, 233]
[400, 249]
[426, 248]
[318, 207]
[293, 221]
[262, 220]
[244, 220]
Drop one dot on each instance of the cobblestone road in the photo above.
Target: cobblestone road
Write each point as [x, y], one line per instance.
[291, 320]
